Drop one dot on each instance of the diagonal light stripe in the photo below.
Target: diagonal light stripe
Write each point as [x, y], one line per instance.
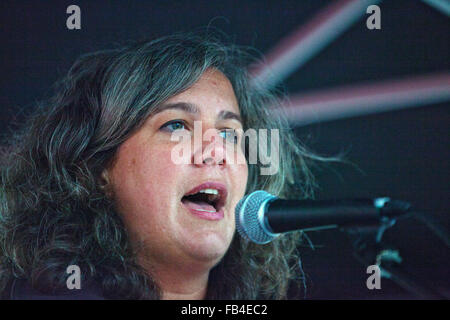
[299, 47]
[351, 101]
[441, 5]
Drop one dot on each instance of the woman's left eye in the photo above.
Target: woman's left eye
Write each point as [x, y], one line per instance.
[230, 135]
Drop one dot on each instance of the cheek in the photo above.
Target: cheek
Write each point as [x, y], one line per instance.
[143, 179]
[158, 178]
[145, 188]
[159, 166]
[239, 181]
[241, 169]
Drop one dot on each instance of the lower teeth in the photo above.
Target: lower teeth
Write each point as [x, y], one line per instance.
[206, 210]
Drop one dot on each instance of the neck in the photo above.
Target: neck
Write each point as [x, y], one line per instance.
[196, 290]
[181, 283]
[185, 285]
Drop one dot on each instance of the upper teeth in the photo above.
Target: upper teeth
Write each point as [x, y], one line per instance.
[209, 191]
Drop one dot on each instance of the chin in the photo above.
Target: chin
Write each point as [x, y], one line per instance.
[210, 247]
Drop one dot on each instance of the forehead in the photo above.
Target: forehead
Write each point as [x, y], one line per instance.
[213, 89]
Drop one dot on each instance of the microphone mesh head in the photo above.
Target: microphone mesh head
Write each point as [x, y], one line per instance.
[247, 222]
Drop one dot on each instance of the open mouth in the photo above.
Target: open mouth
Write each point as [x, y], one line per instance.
[207, 199]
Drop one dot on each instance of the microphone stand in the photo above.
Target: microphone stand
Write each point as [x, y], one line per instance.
[370, 250]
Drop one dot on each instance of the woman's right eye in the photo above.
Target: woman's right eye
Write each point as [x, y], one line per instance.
[174, 125]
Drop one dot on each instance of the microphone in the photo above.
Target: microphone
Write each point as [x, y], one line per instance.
[261, 217]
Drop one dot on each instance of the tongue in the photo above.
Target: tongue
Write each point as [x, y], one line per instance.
[199, 205]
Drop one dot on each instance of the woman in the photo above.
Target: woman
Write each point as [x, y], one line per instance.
[90, 181]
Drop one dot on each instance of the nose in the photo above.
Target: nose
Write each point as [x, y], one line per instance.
[212, 150]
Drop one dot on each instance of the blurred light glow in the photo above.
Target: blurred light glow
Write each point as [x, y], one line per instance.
[366, 99]
[441, 5]
[303, 44]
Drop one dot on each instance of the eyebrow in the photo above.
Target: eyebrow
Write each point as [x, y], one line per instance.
[193, 109]
[183, 106]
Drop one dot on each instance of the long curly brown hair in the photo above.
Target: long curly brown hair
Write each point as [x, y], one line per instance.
[53, 208]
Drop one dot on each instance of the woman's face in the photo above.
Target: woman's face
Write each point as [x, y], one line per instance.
[151, 190]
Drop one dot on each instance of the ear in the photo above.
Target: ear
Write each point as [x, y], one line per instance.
[105, 182]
